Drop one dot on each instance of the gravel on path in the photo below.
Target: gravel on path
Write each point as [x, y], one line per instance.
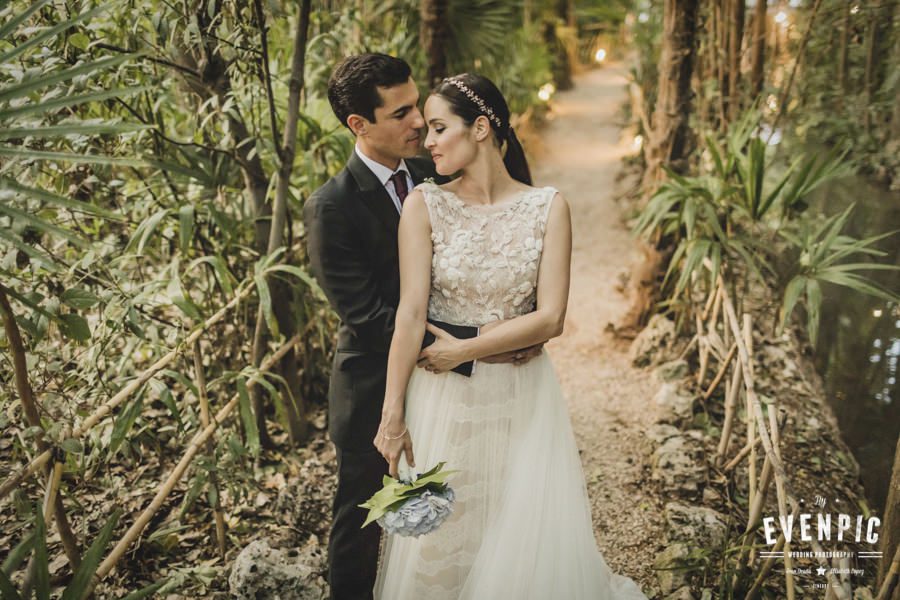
[610, 401]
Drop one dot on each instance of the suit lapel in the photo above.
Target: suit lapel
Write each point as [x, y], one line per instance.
[373, 194]
[418, 174]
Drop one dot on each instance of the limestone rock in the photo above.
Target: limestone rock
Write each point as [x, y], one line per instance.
[672, 370]
[678, 466]
[661, 432]
[862, 593]
[699, 525]
[667, 565]
[649, 345]
[261, 572]
[675, 406]
[682, 593]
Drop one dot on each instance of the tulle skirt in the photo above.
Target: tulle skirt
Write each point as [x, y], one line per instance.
[521, 525]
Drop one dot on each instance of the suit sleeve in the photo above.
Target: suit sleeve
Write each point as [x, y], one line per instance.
[343, 269]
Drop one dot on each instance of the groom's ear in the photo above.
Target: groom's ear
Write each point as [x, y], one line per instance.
[358, 124]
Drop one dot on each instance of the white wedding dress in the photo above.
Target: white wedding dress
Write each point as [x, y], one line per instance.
[521, 524]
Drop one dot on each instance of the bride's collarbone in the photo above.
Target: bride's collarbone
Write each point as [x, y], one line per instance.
[509, 196]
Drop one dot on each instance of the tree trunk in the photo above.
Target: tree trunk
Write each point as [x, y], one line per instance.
[670, 138]
[735, 37]
[843, 55]
[759, 48]
[206, 58]
[869, 74]
[281, 294]
[560, 63]
[890, 532]
[721, 11]
[801, 52]
[895, 117]
[881, 16]
[434, 34]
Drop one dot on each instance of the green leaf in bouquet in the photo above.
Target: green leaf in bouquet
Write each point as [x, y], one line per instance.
[394, 493]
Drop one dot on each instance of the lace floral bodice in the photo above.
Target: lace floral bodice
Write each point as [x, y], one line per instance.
[486, 257]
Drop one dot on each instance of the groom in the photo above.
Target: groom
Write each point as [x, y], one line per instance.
[351, 224]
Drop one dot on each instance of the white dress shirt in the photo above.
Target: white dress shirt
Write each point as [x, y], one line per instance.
[384, 175]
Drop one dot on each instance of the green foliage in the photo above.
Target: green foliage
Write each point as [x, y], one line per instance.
[138, 158]
[730, 216]
[36, 544]
[821, 248]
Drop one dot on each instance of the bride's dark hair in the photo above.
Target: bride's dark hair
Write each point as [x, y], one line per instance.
[463, 93]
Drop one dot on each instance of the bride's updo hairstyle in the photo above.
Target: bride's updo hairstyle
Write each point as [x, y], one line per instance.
[471, 96]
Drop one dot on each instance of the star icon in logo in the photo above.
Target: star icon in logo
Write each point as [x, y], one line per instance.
[820, 571]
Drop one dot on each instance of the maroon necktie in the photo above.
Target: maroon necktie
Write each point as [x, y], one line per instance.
[399, 179]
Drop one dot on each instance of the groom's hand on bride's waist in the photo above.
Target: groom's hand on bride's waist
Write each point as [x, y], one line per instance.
[444, 354]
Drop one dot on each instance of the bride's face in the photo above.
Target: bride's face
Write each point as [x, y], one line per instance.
[452, 143]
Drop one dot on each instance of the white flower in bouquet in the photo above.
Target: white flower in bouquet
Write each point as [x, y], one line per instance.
[414, 506]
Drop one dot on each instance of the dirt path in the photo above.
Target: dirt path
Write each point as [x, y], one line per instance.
[609, 400]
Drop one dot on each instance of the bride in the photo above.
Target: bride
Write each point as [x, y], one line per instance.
[488, 250]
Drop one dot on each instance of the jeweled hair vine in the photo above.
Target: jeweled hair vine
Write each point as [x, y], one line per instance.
[485, 109]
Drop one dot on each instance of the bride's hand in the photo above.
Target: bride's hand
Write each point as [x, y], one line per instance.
[392, 441]
[444, 354]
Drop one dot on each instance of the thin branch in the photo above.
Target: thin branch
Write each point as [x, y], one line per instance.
[153, 59]
[782, 100]
[266, 76]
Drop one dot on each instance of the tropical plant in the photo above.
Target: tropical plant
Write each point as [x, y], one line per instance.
[821, 250]
[730, 217]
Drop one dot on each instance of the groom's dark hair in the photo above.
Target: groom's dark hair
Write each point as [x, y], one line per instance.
[352, 88]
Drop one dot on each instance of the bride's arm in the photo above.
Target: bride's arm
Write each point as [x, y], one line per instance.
[409, 328]
[527, 330]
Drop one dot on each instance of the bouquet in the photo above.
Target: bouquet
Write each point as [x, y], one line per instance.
[412, 506]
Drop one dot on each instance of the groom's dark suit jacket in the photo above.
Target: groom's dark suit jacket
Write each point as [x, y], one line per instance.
[351, 228]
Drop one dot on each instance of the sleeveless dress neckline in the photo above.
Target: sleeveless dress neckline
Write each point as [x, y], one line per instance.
[499, 207]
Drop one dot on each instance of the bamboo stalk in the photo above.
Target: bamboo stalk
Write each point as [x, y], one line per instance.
[751, 420]
[688, 348]
[759, 499]
[14, 480]
[710, 301]
[718, 378]
[210, 446]
[776, 446]
[833, 582]
[48, 509]
[773, 452]
[730, 406]
[703, 347]
[781, 485]
[753, 592]
[891, 578]
[32, 416]
[734, 462]
[175, 475]
[20, 368]
[783, 488]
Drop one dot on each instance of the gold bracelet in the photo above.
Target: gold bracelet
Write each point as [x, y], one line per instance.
[402, 433]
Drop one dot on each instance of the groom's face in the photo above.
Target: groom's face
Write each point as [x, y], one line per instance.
[396, 131]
